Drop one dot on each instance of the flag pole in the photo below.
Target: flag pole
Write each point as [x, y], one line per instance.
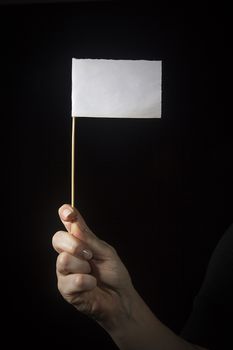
[73, 163]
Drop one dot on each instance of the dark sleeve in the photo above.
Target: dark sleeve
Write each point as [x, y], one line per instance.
[211, 322]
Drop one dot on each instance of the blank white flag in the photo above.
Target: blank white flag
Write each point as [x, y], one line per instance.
[116, 88]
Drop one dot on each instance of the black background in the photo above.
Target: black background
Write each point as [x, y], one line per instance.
[159, 191]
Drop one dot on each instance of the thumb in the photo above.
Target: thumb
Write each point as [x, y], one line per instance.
[76, 225]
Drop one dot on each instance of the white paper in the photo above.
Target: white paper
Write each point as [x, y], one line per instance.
[116, 88]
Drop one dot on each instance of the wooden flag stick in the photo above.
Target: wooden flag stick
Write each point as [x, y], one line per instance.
[73, 163]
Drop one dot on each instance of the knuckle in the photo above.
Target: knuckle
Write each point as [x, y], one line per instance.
[58, 234]
[79, 282]
[63, 262]
[75, 247]
[56, 237]
[65, 289]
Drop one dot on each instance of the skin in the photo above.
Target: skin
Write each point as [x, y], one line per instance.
[92, 278]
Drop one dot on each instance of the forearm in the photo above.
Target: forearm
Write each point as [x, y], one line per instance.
[142, 330]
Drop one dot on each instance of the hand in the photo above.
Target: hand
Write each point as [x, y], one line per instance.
[90, 274]
[92, 277]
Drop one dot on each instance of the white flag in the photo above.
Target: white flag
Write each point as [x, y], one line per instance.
[116, 88]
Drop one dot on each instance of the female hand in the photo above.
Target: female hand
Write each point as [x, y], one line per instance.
[90, 274]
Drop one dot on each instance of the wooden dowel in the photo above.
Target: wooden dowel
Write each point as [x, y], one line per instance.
[73, 163]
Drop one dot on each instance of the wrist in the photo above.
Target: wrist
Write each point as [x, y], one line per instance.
[133, 328]
[121, 311]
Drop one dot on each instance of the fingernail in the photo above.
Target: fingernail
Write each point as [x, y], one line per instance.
[87, 254]
[66, 213]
